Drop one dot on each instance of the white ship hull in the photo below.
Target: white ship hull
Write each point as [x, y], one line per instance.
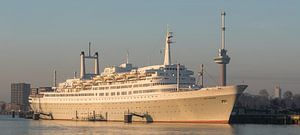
[208, 105]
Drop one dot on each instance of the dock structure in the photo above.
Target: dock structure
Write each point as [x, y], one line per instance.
[13, 114]
[36, 116]
[264, 119]
[129, 115]
[92, 116]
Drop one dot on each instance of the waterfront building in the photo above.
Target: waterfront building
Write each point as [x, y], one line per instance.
[277, 92]
[19, 95]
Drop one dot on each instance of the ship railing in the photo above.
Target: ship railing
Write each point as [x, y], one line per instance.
[186, 89]
[175, 90]
[36, 95]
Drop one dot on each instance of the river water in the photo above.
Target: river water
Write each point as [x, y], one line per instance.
[19, 126]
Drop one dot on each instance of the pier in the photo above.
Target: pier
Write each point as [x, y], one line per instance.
[129, 115]
[264, 119]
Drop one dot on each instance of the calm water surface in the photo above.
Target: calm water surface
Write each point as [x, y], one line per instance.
[17, 126]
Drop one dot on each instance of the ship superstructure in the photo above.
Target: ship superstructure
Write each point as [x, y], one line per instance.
[157, 93]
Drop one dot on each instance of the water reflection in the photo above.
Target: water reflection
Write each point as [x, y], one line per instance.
[67, 127]
[10, 126]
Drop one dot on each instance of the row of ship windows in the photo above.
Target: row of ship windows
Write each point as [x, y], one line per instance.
[85, 115]
[121, 105]
[129, 86]
[111, 93]
[97, 99]
[173, 68]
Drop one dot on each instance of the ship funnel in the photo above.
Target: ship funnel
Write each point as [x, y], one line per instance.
[222, 57]
[54, 78]
[96, 59]
[82, 65]
[167, 60]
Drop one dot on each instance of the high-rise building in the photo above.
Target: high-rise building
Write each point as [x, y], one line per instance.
[277, 92]
[19, 95]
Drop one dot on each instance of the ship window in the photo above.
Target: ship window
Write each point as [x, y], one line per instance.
[224, 101]
[118, 93]
[129, 93]
[146, 85]
[113, 93]
[107, 94]
[124, 93]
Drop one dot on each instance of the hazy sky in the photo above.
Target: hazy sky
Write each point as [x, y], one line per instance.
[262, 38]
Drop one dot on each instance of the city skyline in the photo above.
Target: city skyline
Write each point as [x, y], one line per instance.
[261, 38]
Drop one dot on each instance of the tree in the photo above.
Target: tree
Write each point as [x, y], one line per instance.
[287, 98]
[263, 93]
[288, 95]
[294, 106]
[296, 99]
[275, 103]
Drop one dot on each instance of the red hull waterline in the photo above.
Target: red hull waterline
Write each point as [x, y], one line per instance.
[200, 121]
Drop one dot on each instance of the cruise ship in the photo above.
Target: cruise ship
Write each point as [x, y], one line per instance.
[159, 93]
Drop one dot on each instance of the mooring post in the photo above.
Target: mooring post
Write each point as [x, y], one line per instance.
[13, 113]
[76, 114]
[106, 116]
[94, 115]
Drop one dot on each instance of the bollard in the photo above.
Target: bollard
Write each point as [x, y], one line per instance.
[13, 114]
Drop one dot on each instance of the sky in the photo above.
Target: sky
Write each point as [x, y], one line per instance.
[262, 38]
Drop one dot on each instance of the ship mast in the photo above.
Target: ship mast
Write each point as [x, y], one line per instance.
[167, 60]
[178, 77]
[127, 57]
[222, 58]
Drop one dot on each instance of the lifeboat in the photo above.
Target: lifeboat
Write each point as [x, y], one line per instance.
[98, 78]
[131, 77]
[149, 74]
[109, 78]
[120, 78]
[87, 83]
[99, 81]
[142, 76]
